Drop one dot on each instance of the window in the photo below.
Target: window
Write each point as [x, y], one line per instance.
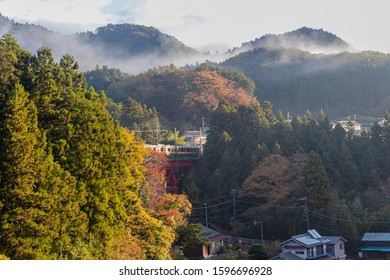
[341, 246]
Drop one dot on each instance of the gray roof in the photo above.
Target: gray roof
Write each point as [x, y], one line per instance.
[210, 232]
[313, 238]
[308, 240]
[376, 236]
[287, 256]
[334, 239]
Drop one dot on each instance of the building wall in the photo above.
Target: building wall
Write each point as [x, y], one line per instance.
[296, 250]
[339, 250]
[376, 256]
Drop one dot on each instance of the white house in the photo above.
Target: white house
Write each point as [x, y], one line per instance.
[336, 247]
[313, 246]
[195, 138]
[347, 125]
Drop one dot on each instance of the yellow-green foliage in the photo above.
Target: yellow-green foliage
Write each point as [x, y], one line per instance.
[3, 258]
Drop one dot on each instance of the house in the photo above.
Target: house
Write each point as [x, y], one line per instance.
[336, 247]
[195, 138]
[313, 246]
[349, 125]
[216, 241]
[377, 246]
[382, 122]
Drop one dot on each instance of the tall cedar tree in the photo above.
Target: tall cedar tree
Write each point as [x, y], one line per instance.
[40, 218]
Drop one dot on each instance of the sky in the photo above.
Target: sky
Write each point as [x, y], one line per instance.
[215, 25]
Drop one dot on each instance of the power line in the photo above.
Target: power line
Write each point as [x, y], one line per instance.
[215, 198]
[318, 214]
[349, 220]
[211, 206]
[267, 204]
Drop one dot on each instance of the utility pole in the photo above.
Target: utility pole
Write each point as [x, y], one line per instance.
[234, 203]
[306, 210]
[157, 133]
[205, 208]
[176, 163]
[200, 141]
[262, 234]
[233, 192]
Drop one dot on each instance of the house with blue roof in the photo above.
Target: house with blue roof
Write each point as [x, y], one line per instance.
[376, 246]
[313, 246]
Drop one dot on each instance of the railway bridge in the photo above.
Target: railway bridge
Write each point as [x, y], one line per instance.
[177, 157]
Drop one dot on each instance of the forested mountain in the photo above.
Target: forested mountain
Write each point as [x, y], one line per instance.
[295, 80]
[298, 70]
[305, 38]
[131, 47]
[73, 183]
[180, 97]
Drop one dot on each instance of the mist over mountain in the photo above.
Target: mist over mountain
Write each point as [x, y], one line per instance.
[304, 38]
[130, 47]
[295, 80]
[298, 70]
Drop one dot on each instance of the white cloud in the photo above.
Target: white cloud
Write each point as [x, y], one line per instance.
[58, 12]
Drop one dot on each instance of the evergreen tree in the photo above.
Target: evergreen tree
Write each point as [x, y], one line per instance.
[40, 217]
[315, 184]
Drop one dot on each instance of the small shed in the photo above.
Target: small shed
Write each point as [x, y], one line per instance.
[376, 246]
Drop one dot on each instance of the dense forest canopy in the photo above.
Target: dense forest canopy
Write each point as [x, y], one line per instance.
[181, 97]
[272, 163]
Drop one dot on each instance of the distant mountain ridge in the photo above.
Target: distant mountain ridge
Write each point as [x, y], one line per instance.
[304, 38]
[136, 48]
[296, 81]
[131, 47]
[302, 69]
[131, 39]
